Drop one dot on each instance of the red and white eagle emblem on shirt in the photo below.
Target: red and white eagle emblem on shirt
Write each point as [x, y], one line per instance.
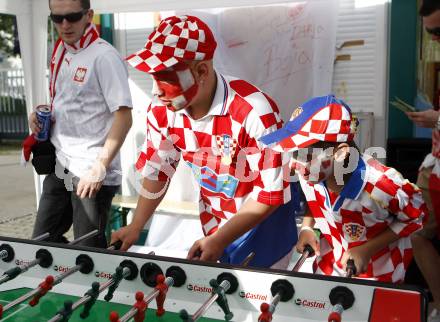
[80, 74]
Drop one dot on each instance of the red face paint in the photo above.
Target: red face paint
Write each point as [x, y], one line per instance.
[313, 167]
[175, 87]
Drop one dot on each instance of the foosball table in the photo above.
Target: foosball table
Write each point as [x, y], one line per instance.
[42, 281]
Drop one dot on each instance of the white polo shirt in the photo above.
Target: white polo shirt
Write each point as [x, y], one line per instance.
[91, 85]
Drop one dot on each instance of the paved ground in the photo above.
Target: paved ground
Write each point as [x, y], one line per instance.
[18, 205]
[17, 191]
[17, 196]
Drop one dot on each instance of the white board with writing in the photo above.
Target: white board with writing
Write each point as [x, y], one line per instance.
[286, 50]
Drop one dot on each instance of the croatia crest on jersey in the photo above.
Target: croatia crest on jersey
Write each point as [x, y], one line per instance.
[354, 231]
[227, 146]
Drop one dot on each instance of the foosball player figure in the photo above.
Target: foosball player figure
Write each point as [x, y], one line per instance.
[221, 300]
[141, 307]
[163, 289]
[45, 287]
[183, 314]
[266, 315]
[93, 293]
[66, 312]
[114, 316]
[117, 277]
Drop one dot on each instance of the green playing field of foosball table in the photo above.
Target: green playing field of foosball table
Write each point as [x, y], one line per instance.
[53, 302]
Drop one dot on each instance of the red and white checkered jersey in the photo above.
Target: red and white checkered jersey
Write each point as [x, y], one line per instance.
[436, 143]
[222, 150]
[374, 198]
[433, 158]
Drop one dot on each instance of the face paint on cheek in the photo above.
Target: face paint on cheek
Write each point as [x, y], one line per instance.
[316, 170]
[169, 91]
[302, 169]
[322, 169]
[177, 87]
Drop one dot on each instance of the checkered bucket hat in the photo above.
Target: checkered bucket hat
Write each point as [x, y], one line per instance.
[176, 38]
[323, 118]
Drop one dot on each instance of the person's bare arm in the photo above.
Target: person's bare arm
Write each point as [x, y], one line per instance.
[307, 236]
[149, 198]
[427, 119]
[90, 184]
[361, 255]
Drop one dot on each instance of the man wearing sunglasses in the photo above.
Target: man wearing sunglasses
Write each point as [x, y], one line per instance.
[91, 109]
[427, 257]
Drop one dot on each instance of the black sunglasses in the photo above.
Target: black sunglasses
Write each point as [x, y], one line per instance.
[433, 31]
[70, 17]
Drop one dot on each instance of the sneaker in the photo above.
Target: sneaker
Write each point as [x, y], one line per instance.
[434, 316]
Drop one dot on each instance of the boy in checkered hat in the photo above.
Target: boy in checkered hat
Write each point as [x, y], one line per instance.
[364, 210]
[212, 123]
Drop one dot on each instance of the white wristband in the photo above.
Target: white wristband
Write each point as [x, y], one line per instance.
[307, 228]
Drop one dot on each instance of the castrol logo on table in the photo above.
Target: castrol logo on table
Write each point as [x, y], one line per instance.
[199, 288]
[106, 275]
[61, 268]
[312, 304]
[252, 296]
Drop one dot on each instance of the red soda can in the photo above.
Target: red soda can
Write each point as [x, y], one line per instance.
[44, 119]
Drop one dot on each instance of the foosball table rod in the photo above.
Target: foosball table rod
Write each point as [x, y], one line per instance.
[49, 279]
[350, 269]
[225, 285]
[126, 270]
[169, 281]
[248, 259]
[307, 252]
[282, 291]
[91, 234]
[7, 253]
[102, 287]
[342, 298]
[14, 272]
[41, 237]
[83, 263]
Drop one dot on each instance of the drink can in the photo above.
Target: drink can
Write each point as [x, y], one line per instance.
[44, 119]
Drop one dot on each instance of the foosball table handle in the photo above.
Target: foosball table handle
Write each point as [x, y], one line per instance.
[116, 245]
[351, 268]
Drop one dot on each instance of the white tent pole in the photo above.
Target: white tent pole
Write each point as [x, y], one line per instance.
[32, 27]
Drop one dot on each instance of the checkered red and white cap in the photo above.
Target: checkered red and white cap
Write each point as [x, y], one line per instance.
[323, 118]
[176, 38]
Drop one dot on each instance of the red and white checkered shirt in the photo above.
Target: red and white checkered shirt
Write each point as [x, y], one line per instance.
[222, 150]
[436, 143]
[375, 197]
[432, 160]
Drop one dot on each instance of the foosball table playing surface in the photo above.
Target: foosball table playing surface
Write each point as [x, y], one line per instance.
[42, 281]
